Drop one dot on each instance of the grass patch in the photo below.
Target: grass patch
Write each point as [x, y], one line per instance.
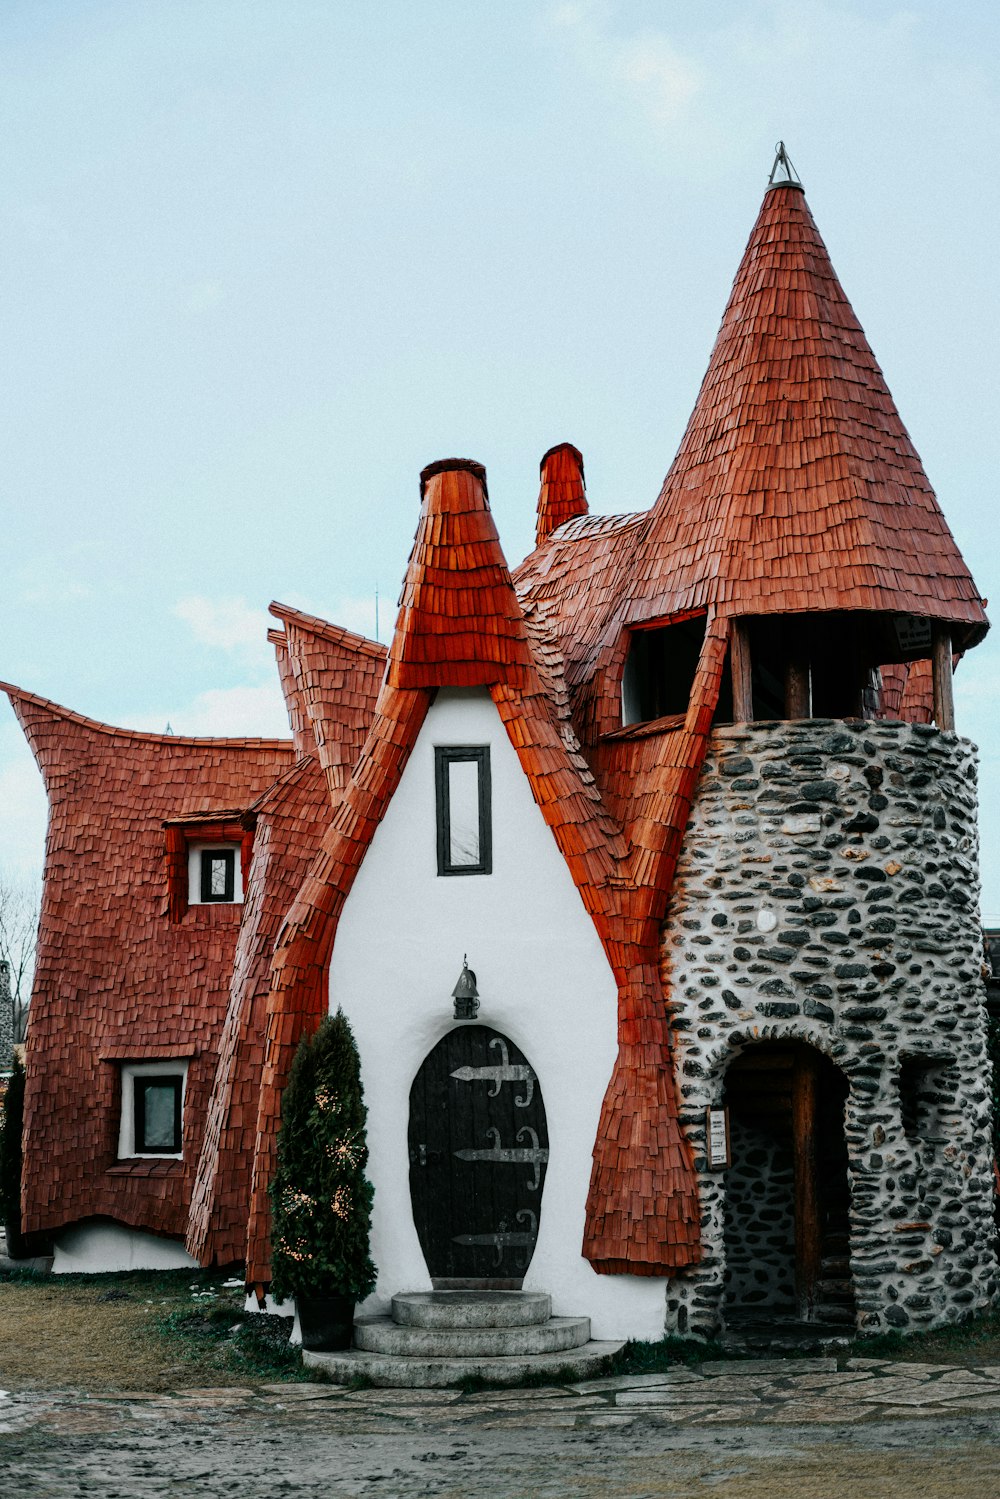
[657, 1358]
[138, 1330]
[249, 1344]
[976, 1341]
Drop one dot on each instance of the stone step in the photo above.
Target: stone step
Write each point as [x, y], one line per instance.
[786, 1336]
[471, 1308]
[383, 1335]
[389, 1372]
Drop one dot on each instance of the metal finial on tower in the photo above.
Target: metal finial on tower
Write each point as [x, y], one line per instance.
[783, 174]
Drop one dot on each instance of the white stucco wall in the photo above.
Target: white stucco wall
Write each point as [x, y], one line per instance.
[93, 1248]
[543, 979]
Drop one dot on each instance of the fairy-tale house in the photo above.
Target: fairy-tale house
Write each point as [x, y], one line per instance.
[646, 875]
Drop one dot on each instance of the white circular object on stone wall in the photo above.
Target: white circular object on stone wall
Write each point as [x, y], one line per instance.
[766, 920]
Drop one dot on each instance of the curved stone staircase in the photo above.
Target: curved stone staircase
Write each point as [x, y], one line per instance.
[437, 1338]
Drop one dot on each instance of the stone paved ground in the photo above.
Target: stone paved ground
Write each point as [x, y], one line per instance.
[761, 1429]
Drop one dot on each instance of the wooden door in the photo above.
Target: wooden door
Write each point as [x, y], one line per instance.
[479, 1148]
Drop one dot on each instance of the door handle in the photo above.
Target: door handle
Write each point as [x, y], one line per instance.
[422, 1154]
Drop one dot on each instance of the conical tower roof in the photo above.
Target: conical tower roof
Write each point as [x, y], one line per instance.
[796, 486]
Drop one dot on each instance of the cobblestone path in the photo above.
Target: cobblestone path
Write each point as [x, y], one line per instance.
[760, 1427]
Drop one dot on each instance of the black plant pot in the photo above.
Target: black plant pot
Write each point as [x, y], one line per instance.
[325, 1322]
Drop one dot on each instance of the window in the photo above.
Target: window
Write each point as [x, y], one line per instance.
[218, 874]
[158, 1115]
[152, 1109]
[207, 862]
[214, 874]
[928, 1087]
[464, 825]
[660, 670]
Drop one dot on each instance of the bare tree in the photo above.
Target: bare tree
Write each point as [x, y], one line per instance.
[20, 905]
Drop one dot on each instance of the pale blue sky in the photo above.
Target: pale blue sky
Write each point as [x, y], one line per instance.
[263, 261]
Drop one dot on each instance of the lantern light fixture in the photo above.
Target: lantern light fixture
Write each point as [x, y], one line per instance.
[465, 993]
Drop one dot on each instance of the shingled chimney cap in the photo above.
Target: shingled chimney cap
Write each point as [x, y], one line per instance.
[452, 465]
[561, 447]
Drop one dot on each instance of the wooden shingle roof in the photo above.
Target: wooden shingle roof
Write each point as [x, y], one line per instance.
[115, 978]
[795, 489]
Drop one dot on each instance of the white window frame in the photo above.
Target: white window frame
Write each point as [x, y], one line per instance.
[126, 1123]
[195, 849]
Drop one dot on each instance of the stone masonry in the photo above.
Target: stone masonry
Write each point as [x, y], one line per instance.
[827, 893]
[6, 1020]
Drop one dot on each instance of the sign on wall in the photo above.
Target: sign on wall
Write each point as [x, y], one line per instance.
[717, 1138]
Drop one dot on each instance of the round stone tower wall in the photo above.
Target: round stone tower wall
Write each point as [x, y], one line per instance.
[828, 893]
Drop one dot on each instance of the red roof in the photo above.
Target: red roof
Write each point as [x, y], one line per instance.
[796, 486]
[334, 681]
[562, 495]
[115, 979]
[291, 818]
[331, 678]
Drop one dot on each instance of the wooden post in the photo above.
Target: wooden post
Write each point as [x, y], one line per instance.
[944, 701]
[808, 1246]
[740, 668]
[798, 688]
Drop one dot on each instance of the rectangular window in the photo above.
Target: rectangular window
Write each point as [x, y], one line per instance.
[218, 874]
[151, 1122]
[158, 1114]
[464, 825]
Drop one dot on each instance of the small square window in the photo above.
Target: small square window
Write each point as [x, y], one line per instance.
[464, 818]
[158, 1115]
[215, 875]
[218, 874]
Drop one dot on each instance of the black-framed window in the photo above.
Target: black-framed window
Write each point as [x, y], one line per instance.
[158, 1114]
[464, 817]
[218, 874]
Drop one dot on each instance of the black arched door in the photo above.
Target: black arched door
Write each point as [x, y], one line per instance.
[478, 1149]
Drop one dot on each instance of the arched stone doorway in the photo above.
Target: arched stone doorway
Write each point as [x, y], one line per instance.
[787, 1218]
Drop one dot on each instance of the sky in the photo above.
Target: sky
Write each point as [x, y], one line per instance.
[264, 260]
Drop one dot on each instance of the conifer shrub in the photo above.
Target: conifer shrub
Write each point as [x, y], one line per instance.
[320, 1197]
[11, 1125]
[993, 1052]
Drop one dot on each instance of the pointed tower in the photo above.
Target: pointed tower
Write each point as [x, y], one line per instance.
[797, 503]
[821, 945]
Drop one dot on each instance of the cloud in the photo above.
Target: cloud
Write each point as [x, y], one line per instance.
[226, 712]
[663, 82]
[231, 624]
[358, 614]
[647, 69]
[47, 582]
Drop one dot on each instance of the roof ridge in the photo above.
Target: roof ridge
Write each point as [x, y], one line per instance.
[97, 726]
[336, 634]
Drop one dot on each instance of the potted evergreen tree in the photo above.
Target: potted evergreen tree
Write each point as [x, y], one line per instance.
[320, 1197]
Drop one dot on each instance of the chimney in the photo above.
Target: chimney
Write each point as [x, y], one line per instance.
[562, 494]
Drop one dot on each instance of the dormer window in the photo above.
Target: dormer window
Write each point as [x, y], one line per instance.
[208, 862]
[464, 813]
[660, 670]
